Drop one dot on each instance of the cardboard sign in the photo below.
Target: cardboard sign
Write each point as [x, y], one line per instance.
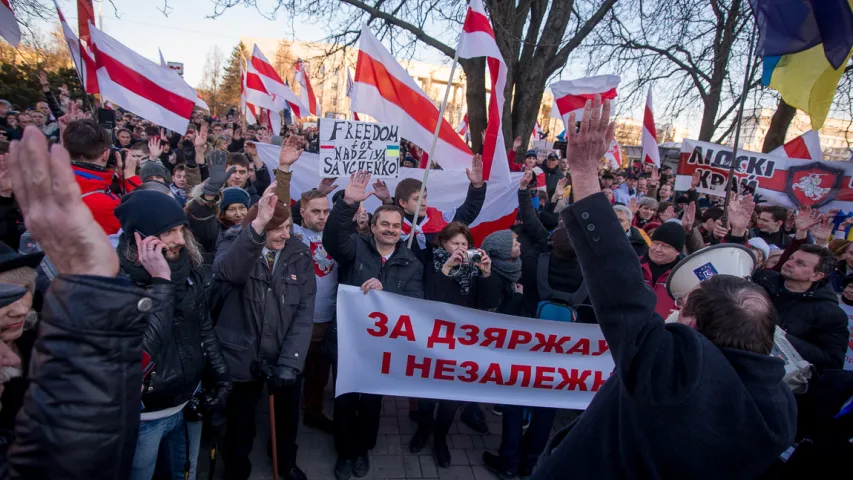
[347, 147]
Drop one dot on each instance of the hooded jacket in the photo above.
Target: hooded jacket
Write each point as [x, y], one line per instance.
[814, 323]
[676, 405]
[95, 191]
[266, 316]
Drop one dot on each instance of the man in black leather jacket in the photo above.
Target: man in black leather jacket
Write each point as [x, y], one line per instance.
[80, 416]
[157, 252]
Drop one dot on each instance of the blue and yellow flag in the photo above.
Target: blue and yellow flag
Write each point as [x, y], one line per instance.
[806, 45]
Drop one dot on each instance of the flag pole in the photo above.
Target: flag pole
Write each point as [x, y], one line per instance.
[746, 76]
[440, 119]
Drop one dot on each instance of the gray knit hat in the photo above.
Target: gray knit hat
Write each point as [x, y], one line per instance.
[153, 168]
[499, 244]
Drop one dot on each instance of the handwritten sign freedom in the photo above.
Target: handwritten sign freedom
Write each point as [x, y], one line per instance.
[347, 147]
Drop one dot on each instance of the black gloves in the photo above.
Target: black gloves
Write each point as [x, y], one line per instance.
[283, 377]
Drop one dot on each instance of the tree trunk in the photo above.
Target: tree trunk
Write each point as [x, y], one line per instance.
[778, 127]
[475, 97]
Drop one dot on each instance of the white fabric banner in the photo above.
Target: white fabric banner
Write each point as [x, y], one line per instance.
[394, 345]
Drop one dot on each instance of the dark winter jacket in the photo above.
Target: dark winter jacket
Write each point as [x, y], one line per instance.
[11, 222]
[266, 316]
[676, 405]
[360, 261]
[836, 277]
[201, 215]
[81, 414]
[466, 213]
[179, 337]
[441, 288]
[780, 238]
[814, 323]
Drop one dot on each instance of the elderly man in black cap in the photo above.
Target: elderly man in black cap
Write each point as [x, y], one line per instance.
[664, 253]
[157, 252]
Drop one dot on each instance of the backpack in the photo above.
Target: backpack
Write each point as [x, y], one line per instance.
[554, 304]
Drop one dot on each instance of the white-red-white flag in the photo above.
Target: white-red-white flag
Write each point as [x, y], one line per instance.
[478, 40]
[349, 94]
[258, 95]
[306, 92]
[571, 95]
[9, 29]
[249, 111]
[613, 156]
[199, 102]
[85, 17]
[141, 86]
[806, 147]
[462, 129]
[276, 86]
[86, 71]
[383, 90]
[537, 134]
[651, 153]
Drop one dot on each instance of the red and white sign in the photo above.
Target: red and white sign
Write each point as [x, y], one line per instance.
[806, 147]
[571, 95]
[779, 180]
[140, 85]
[86, 70]
[9, 29]
[651, 153]
[447, 190]
[406, 347]
[275, 86]
[613, 156]
[383, 90]
[306, 92]
[478, 40]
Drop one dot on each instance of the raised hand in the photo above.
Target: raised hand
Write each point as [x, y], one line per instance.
[561, 185]
[633, 205]
[290, 152]
[475, 173]
[485, 264]
[155, 148]
[130, 164]
[695, 180]
[805, 218]
[264, 137]
[516, 143]
[654, 176]
[42, 76]
[689, 217]
[49, 198]
[381, 191]
[327, 186]
[266, 209]
[150, 254]
[250, 148]
[354, 192]
[822, 230]
[200, 140]
[740, 213]
[588, 145]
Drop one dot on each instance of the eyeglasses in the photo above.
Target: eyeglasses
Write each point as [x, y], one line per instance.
[680, 301]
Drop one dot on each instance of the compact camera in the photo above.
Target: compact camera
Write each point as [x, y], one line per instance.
[473, 256]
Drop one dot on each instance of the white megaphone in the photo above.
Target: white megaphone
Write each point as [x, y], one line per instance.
[725, 258]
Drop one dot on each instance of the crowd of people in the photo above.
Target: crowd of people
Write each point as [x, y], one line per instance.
[204, 266]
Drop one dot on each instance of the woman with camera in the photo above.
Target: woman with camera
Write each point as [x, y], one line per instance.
[453, 273]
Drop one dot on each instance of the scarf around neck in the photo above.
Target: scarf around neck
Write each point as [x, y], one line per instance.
[463, 274]
[137, 273]
[508, 269]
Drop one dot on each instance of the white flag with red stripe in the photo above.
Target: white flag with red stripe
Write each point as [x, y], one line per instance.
[306, 91]
[538, 134]
[275, 86]
[447, 190]
[462, 129]
[141, 86]
[478, 40]
[86, 70]
[257, 95]
[613, 156]
[383, 90]
[199, 102]
[571, 95]
[249, 111]
[651, 153]
[349, 94]
[9, 29]
[806, 147]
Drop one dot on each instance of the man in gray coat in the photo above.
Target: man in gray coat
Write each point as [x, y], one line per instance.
[264, 328]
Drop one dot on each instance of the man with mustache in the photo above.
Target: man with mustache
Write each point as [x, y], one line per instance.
[378, 261]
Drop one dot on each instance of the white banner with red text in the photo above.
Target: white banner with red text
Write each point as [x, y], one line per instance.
[779, 180]
[394, 345]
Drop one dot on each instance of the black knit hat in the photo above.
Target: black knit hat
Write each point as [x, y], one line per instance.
[670, 233]
[149, 213]
[10, 294]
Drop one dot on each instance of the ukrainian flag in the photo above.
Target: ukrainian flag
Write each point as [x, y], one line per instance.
[806, 45]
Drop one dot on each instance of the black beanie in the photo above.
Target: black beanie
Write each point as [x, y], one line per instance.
[670, 233]
[149, 213]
